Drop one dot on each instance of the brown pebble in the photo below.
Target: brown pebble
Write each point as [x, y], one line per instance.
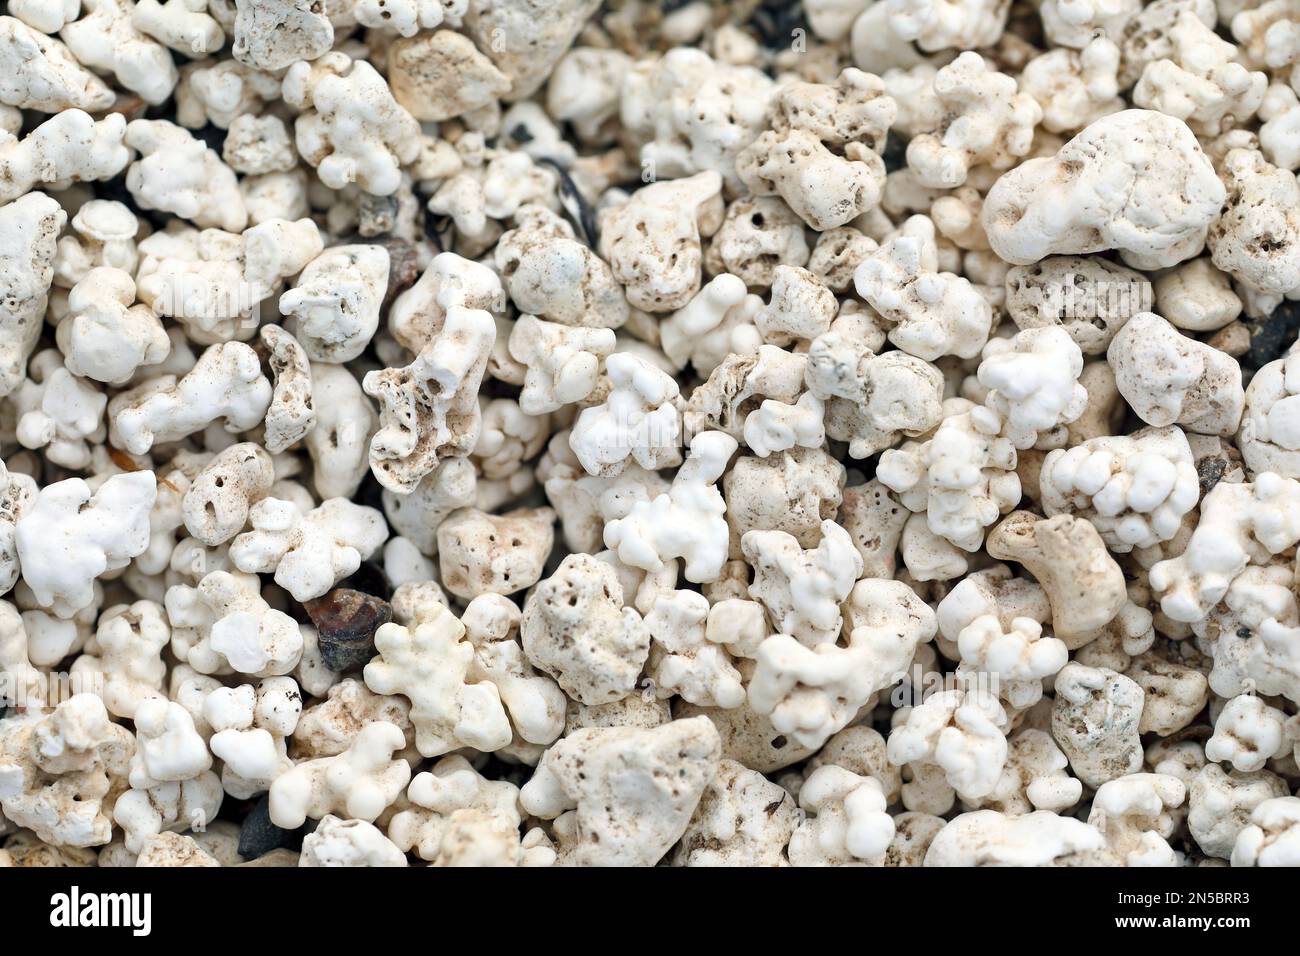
[346, 621]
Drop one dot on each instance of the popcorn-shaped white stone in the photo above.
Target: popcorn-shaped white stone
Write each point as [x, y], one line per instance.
[308, 552]
[47, 16]
[57, 769]
[1083, 583]
[130, 639]
[224, 624]
[69, 537]
[215, 506]
[1197, 297]
[563, 362]
[938, 26]
[106, 336]
[1095, 720]
[639, 420]
[177, 173]
[1257, 238]
[963, 731]
[481, 553]
[215, 281]
[338, 842]
[1073, 23]
[440, 75]
[221, 93]
[1201, 81]
[776, 426]
[167, 747]
[935, 313]
[452, 789]
[689, 113]
[810, 693]
[819, 156]
[845, 821]
[525, 42]
[339, 444]
[871, 400]
[575, 628]
[274, 34]
[58, 412]
[361, 782]
[1170, 378]
[985, 120]
[737, 386]
[717, 322]
[549, 273]
[1034, 384]
[29, 229]
[1020, 655]
[418, 314]
[990, 838]
[105, 39]
[1075, 87]
[1270, 436]
[1136, 813]
[351, 129]
[226, 383]
[1279, 134]
[335, 303]
[1254, 636]
[105, 234]
[291, 414]
[685, 522]
[1273, 836]
[1108, 188]
[71, 147]
[429, 409]
[167, 808]
[1135, 489]
[743, 819]
[408, 17]
[961, 478]
[623, 795]
[183, 25]
[800, 307]
[652, 241]
[40, 73]
[803, 589]
[1248, 733]
[258, 145]
[1035, 777]
[683, 661]
[428, 663]
[1220, 805]
[534, 701]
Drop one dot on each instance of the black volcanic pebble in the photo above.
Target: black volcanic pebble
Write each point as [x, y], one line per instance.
[346, 621]
[777, 20]
[894, 153]
[258, 836]
[1271, 336]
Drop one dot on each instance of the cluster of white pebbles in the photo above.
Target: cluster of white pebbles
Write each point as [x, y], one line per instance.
[692, 433]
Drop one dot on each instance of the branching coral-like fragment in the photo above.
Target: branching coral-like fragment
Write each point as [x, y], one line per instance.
[351, 128]
[428, 663]
[935, 313]
[429, 409]
[985, 120]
